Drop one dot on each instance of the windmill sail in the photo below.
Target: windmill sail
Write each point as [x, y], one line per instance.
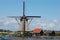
[23, 8]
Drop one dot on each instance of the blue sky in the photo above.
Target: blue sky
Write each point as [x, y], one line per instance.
[49, 10]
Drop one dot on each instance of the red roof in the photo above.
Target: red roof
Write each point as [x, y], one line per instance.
[37, 30]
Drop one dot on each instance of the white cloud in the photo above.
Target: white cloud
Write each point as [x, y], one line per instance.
[55, 21]
[50, 24]
[43, 24]
[12, 23]
[8, 21]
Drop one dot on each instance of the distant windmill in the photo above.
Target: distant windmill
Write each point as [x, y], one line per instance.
[24, 20]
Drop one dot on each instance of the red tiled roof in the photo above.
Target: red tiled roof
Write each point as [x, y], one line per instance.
[37, 30]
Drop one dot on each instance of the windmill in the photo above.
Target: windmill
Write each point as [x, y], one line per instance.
[23, 20]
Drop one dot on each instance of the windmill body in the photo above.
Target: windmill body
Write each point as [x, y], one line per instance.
[23, 24]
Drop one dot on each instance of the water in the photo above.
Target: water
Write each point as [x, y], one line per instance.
[6, 37]
[30, 38]
[26, 38]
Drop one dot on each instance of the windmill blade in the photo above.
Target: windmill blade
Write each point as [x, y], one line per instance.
[34, 16]
[14, 16]
[29, 17]
[30, 21]
[17, 21]
[23, 8]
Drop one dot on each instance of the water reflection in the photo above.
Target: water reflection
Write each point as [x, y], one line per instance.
[28, 38]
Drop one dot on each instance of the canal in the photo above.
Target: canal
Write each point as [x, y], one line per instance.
[28, 38]
[33, 38]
